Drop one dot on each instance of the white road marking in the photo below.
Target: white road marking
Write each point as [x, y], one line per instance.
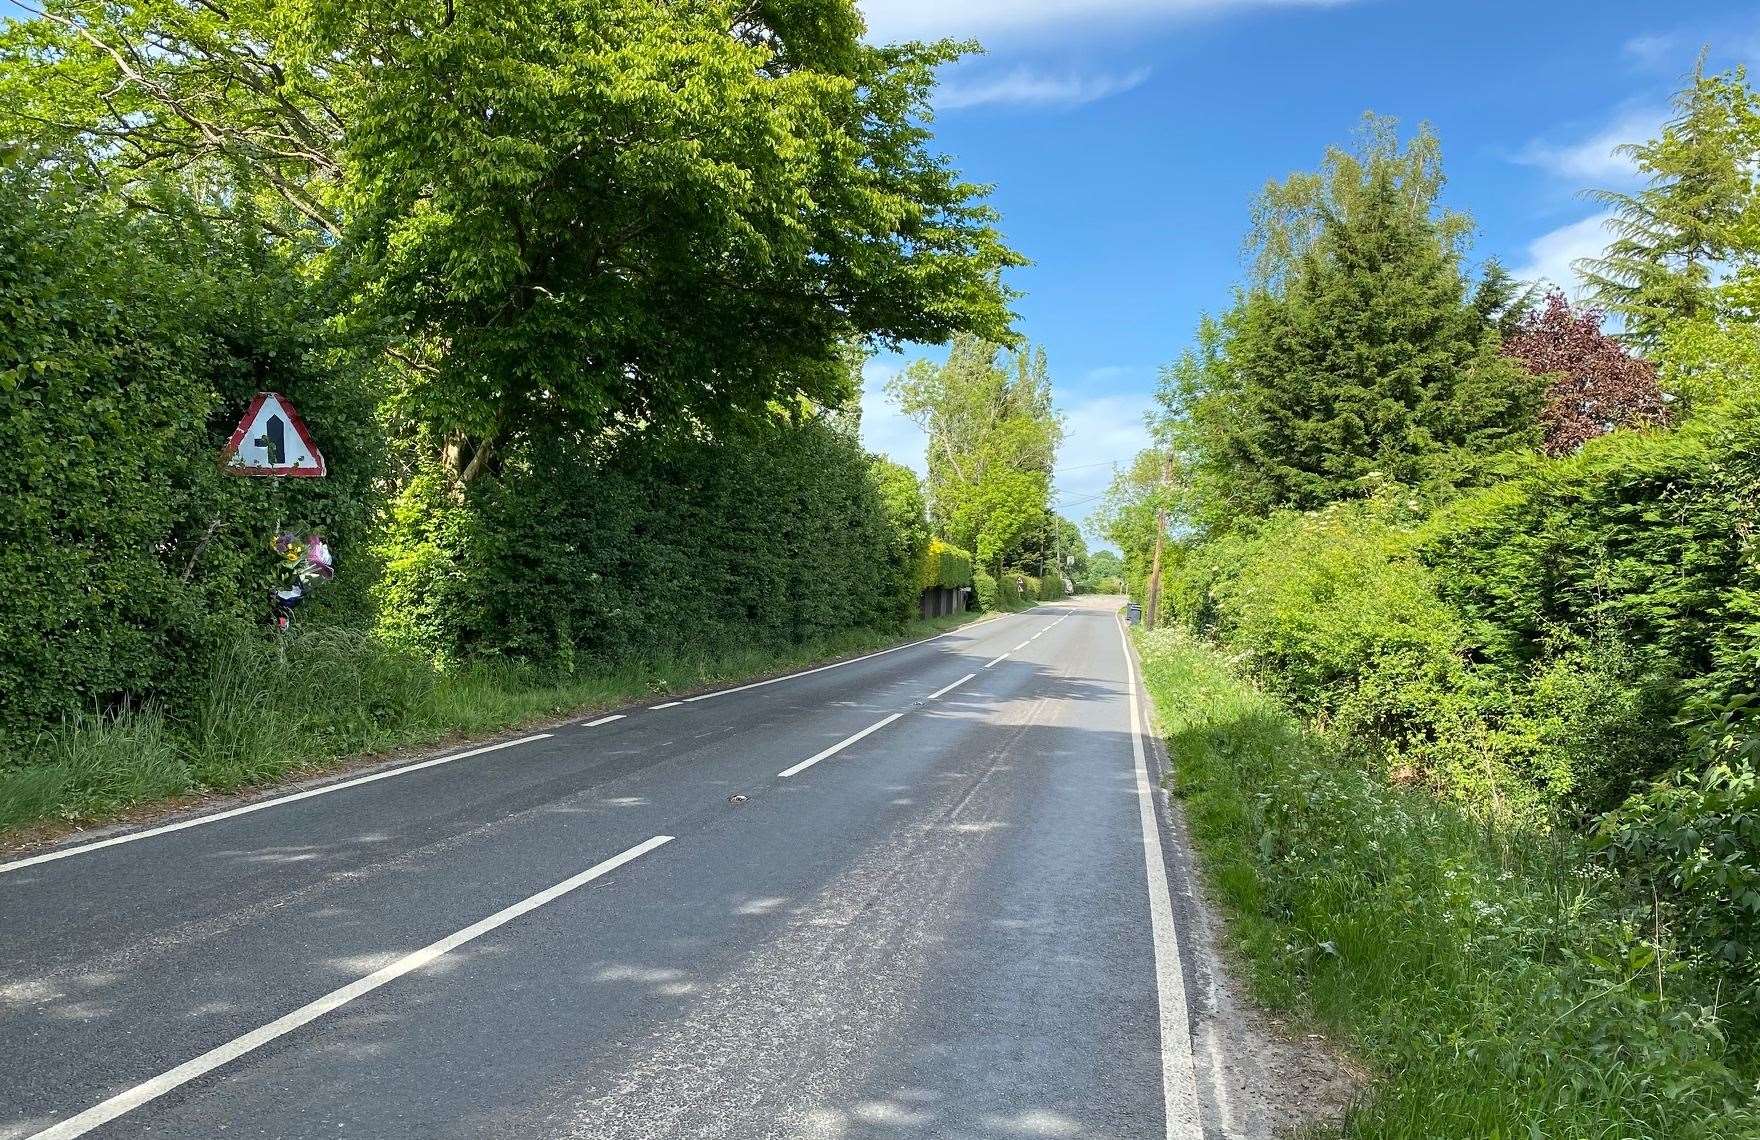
[108, 1110]
[66, 852]
[946, 689]
[667, 705]
[838, 747]
[841, 664]
[1179, 1080]
[603, 720]
[998, 661]
[1022, 645]
[63, 853]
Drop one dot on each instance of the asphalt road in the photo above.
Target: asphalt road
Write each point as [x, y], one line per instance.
[669, 924]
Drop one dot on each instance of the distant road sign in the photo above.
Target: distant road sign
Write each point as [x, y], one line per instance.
[271, 439]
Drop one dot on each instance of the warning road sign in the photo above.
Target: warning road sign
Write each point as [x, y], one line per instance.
[271, 439]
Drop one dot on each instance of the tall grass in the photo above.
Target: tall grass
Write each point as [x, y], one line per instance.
[1493, 975]
[271, 709]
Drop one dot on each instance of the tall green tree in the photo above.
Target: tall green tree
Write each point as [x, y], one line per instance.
[1135, 513]
[1367, 359]
[1672, 238]
[1049, 548]
[1290, 216]
[1683, 269]
[993, 439]
[560, 214]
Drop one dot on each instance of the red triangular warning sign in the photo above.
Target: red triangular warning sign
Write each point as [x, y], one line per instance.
[271, 439]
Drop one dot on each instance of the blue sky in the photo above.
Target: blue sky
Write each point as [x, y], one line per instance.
[1127, 138]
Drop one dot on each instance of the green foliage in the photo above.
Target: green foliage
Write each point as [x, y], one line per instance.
[1053, 545]
[1137, 503]
[1698, 220]
[1336, 616]
[943, 566]
[1290, 217]
[133, 342]
[651, 549]
[562, 213]
[1104, 574]
[993, 439]
[598, 241]
[1639, 537]
[1694, 839]
[1496, 980]
[1367, 362]
[901, 499]
[1531, 650]
[1006, 594]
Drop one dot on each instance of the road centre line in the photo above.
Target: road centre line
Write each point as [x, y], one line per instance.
[945, 689]
[125, 1102]
[603, 720]
[65, 852]
[1179, 1081]
[838, 747]
[998, 661]
[841, 664]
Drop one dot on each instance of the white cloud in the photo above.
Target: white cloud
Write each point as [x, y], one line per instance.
[1101, 434]
[1552, 255]
[891, 20]
[1592, 160]
[1026, 87]
[1656, 49]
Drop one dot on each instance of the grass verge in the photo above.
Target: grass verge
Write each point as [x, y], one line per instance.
[1493, 977]
[278, 710]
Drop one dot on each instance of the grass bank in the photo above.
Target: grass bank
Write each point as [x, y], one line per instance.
[1493, 977]
[273, 711]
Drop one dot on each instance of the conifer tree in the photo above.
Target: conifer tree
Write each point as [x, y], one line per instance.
[1373, 363]
[1674, 239]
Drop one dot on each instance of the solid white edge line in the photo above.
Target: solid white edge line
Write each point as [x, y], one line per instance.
[946, 689]
[124, 1102]
[65, 852]
[603, 720]
[838, 747]
[841, 664]
[1179, 1079]
[667, 705]
[998, 661]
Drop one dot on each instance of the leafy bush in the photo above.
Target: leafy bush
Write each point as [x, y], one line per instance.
[128, 346]
[986, 592]
[1532, 649]
[1004, 594]
[1643, 537]
[943, 565]
[1694, 841]
[1491, 973]
[652, 549]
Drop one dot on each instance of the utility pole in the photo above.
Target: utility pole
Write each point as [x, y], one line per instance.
[1154, 600]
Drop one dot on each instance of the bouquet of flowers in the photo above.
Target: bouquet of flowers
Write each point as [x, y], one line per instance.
[303, 563]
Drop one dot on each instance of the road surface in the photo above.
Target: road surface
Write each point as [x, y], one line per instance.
[919, 894]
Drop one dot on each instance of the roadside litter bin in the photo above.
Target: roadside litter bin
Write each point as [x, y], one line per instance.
[1134, 613]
